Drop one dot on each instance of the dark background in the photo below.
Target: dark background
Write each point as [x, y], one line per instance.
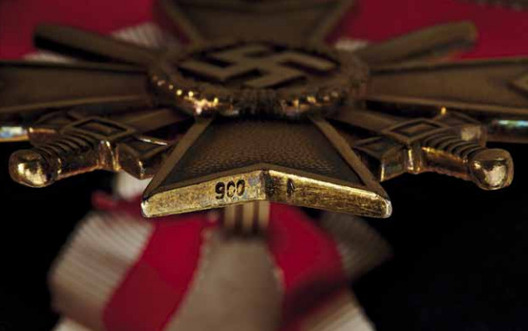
[460, 255]
[34, 224]
[459, 252]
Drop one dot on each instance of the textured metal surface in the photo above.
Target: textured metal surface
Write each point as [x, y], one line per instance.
[273, 142]
[232, 144]
[228, 161]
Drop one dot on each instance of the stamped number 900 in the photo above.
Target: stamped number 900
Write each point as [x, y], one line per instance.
[231, 189]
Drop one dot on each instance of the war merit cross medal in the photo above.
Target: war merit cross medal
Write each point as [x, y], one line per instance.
[256, 108]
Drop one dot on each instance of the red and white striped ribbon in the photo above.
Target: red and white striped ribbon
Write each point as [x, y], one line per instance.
[120, 271]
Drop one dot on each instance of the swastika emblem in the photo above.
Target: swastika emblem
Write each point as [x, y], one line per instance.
[255, 77]
[257, 66]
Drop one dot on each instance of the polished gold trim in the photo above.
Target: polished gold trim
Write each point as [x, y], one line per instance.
[281, 186]
[266, 182]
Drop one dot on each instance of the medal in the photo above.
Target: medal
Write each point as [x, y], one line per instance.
[258, 109]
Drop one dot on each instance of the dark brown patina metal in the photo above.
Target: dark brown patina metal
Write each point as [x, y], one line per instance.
[272, 116]
[280, 20]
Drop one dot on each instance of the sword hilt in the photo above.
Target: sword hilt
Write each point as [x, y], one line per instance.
[490, 169]
[65, 156]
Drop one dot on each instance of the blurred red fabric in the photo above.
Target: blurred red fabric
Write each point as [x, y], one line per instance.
[375, 20]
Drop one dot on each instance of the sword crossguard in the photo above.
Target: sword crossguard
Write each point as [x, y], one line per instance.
[91, 143]
[82, 146]
[66, 156]
[450, 145]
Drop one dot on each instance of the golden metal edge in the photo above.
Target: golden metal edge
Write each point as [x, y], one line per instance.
[256, 167]
[271, 185]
